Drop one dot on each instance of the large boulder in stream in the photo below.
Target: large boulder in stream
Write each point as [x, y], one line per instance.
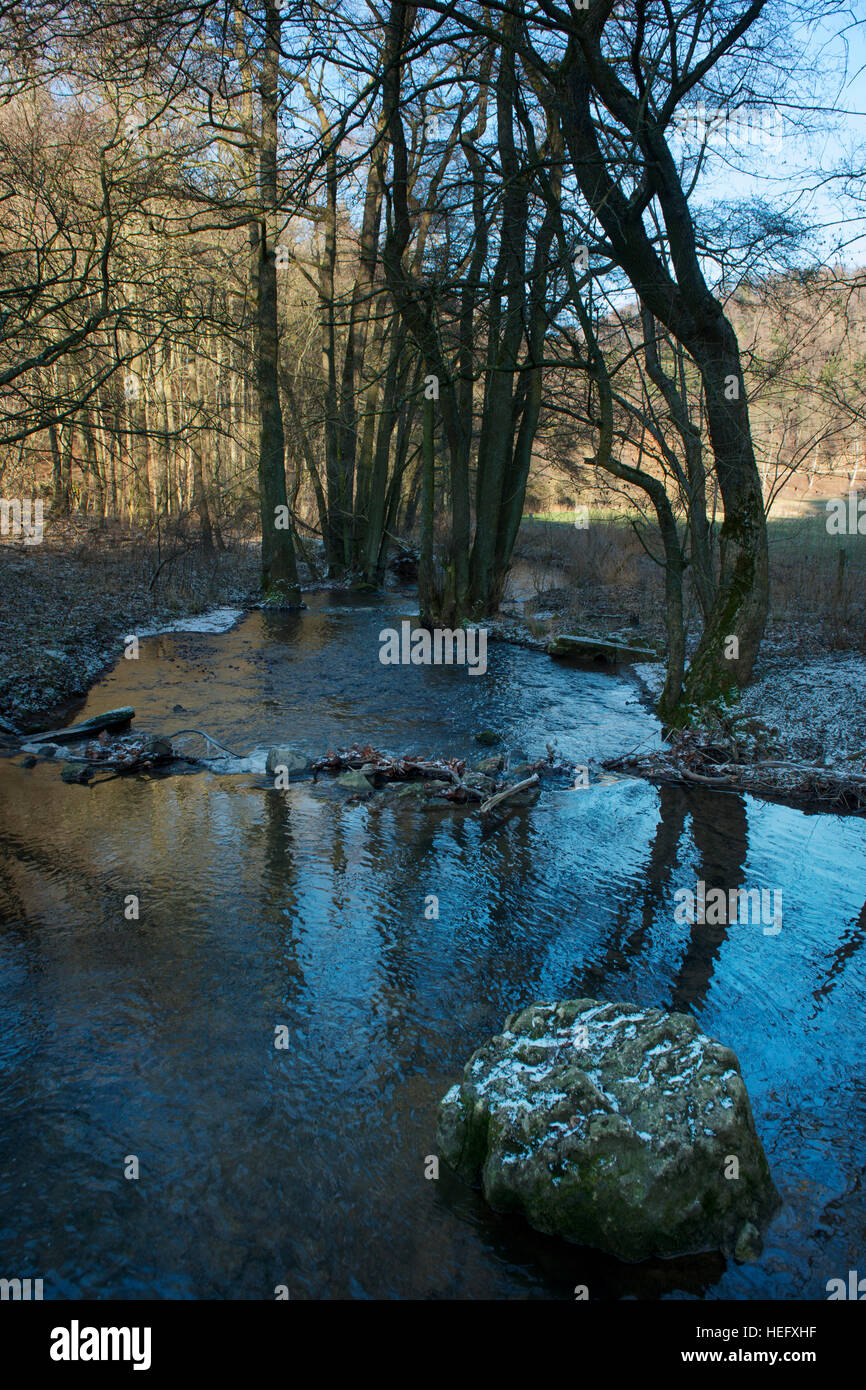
[615, 1126]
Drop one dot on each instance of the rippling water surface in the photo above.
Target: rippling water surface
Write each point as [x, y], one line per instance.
[262, 908]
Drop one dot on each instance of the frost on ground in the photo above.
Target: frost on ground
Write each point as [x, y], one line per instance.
[215, 621]
[814, 707]
[797, 732]
[818, 706]
[613, 1126]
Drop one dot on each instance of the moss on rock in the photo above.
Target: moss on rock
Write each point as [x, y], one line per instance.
[614, 1126]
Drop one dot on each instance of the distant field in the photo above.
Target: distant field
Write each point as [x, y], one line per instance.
[614, 516]
[797, 533]
[814, 575]
[805, 534]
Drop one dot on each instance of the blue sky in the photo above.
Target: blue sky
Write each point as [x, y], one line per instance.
[795, 169]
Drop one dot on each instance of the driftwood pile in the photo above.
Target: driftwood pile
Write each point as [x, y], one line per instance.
[381, 768]
[694, 758]
[133, 753]
[105, 744]
[101, 744]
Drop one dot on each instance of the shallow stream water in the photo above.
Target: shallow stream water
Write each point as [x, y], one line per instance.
[262, 908]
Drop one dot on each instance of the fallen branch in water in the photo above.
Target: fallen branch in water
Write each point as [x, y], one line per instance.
[707, 781]
[206, 737]
[771, 778]
[113, 719]
[806, 769]
[394, 769]
[497, 800]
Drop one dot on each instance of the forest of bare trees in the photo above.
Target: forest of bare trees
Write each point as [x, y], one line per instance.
[331, 276]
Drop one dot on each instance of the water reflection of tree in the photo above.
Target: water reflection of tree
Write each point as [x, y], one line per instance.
[280, 887]
[852, 940]
[654, 891]
[433, 851]
[397, 920]
[720, 830]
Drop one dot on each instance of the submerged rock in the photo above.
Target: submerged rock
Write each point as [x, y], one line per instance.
[488, 767]
[614, 1126]
[488, 738]
[419, 792]
[415, 795]
[520, 771]
[296, 764]
[353, 780]
[479, 782]
[79, 773]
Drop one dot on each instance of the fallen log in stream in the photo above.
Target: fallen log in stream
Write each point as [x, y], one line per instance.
[113, 719]
[497, 800]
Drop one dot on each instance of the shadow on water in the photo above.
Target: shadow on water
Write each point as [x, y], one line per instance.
[262, 910]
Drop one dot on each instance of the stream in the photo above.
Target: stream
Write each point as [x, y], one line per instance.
[305, 1166]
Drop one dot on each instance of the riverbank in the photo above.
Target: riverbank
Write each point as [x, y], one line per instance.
[70, 602]
[798, 733]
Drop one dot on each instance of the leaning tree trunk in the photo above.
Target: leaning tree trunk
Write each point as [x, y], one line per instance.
[739, 609]
[683, 302]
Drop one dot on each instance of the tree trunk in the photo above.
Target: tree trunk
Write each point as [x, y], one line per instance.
[689, 310]
[426, 583]
[279, 568]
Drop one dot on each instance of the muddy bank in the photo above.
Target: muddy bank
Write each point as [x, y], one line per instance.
[69, 603]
